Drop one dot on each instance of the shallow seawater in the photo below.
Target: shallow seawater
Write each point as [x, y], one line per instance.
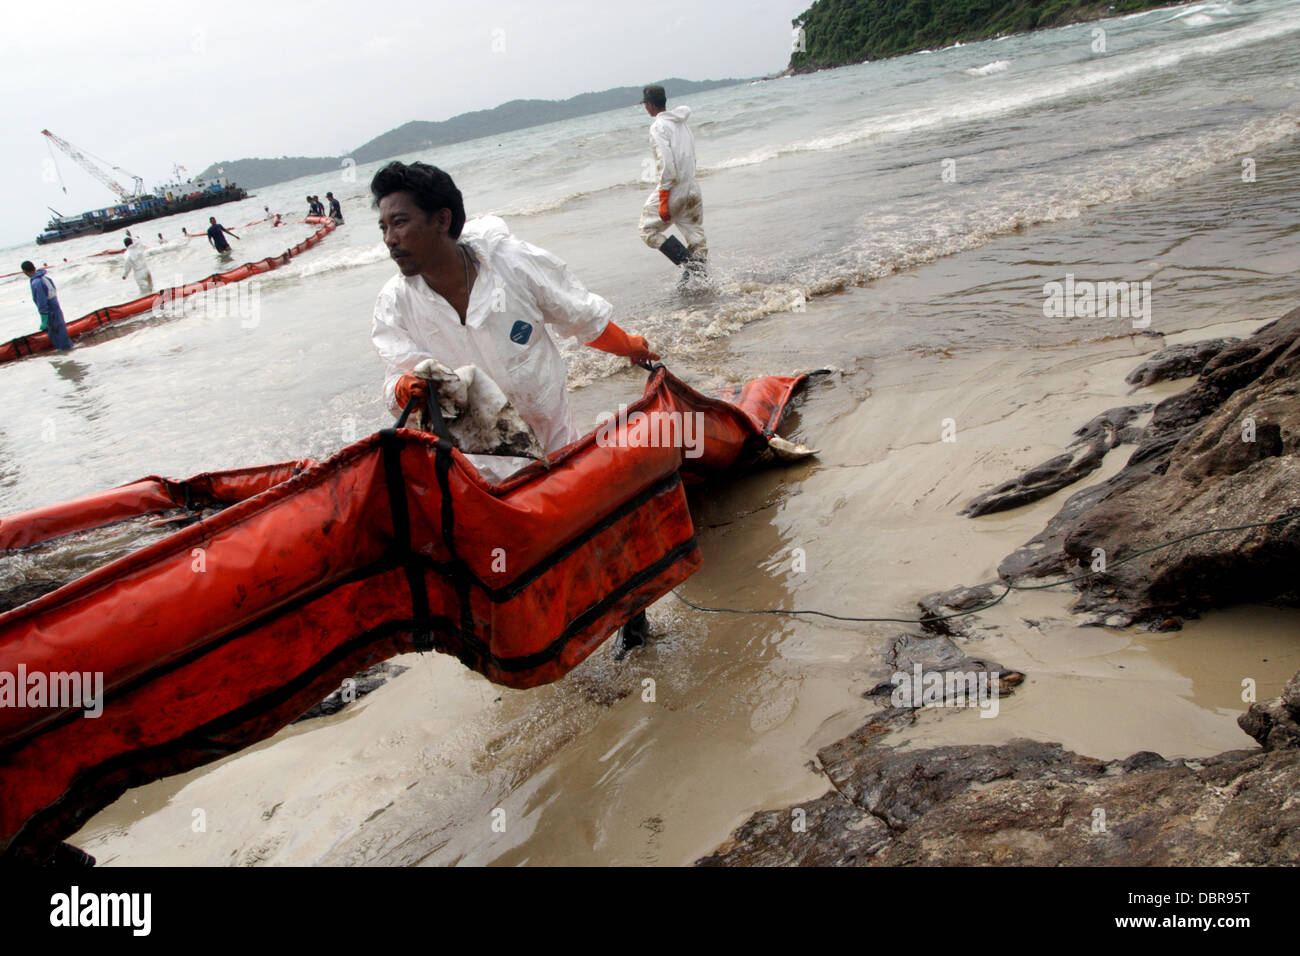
[28, 573]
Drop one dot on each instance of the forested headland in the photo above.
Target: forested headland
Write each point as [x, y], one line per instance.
[840, 32]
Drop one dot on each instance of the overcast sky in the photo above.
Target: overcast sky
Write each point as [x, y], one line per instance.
[146, 84]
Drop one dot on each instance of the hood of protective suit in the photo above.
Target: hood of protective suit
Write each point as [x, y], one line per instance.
[486, 232]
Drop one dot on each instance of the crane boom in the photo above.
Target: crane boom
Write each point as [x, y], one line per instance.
[82, 160]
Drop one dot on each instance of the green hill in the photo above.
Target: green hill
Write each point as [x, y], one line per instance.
[839, 32]
[421, 134]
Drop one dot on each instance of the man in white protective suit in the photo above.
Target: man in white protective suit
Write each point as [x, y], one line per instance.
[135, 262]
[473, 294]
[676, 201]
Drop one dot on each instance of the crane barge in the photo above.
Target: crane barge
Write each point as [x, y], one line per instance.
[135, 204]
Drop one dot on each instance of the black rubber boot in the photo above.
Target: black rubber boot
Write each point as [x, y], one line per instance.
[631, 635]
[674, 250]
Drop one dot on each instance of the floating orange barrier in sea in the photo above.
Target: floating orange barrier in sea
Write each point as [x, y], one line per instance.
[221, 633]
[35, 343]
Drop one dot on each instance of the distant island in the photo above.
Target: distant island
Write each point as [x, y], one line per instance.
[841, 32]
[422, 134]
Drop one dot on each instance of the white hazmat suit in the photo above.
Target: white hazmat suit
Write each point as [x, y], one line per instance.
[520, 289]
[135, 261]
[673, 145]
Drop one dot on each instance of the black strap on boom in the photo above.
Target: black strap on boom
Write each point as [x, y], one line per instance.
[392, 449]
[459, 570]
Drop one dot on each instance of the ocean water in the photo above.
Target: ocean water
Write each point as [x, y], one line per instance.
[897, 221]
[811, 184]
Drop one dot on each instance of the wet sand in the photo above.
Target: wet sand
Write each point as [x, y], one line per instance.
[440, 767]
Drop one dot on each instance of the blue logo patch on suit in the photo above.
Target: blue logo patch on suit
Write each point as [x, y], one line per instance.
[521, 332]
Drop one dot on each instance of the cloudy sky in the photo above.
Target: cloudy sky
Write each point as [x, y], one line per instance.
[147, 84]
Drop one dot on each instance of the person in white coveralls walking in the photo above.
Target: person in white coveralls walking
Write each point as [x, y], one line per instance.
[676, 201]
[135, 262]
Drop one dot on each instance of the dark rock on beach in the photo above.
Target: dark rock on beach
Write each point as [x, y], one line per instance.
[935, 654]
[1030, 803]
[1082, 457]
[828, 831]
[1177, 361]
[369, 680]
[1219, 455]
[938, 609]
[1275, 724]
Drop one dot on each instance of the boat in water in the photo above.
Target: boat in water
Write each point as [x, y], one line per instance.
[164, 201]
[134, 205]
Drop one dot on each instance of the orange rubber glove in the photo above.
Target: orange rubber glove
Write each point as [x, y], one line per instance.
[411, 386]
[663, 206]
[617, 342]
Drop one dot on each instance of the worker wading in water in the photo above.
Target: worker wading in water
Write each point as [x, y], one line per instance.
[676, 201]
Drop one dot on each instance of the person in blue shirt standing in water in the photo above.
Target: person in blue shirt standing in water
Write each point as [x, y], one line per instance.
[46, 297]
[215, 230]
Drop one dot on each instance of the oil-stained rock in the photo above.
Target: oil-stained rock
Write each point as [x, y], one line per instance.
[370, 679]
[1220, 455]
[1081, 458]
[1177, 361]
[1032, 803]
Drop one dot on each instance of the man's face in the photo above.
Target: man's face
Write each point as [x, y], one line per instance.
[212, 220]
[413, 236]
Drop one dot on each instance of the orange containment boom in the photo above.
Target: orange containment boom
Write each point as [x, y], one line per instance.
[220, 634]
[36, 342]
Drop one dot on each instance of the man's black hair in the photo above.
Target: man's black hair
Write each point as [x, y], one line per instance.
[126, 241]
[27, 266]
[429, 186]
